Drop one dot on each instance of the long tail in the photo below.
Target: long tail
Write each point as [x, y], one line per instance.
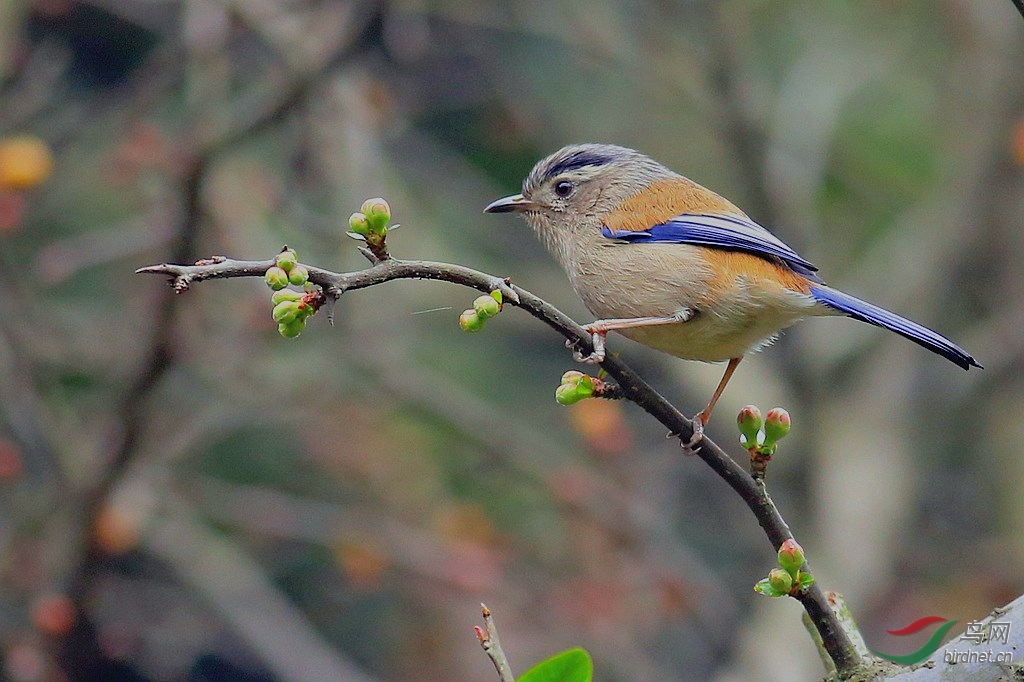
[872, 314]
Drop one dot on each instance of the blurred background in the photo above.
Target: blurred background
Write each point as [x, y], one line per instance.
[185, 495]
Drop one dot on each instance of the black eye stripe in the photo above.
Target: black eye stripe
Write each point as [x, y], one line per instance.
[576, 160]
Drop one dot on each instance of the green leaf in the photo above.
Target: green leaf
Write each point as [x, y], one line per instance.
[764, 587]
[805, 580]
[573, 665]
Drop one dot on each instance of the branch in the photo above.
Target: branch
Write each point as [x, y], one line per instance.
[634, 388]
[492, 646]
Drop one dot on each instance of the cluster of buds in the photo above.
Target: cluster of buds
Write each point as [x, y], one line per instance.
[370, 223]
[761, 435]
[291, 308]
[286, 270]
[786, 578]
[484, 308]
[575, 386]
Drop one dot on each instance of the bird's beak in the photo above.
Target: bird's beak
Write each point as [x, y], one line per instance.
[516, 202]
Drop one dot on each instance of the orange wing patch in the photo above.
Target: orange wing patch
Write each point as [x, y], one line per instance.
[729, 266]
[664, 200]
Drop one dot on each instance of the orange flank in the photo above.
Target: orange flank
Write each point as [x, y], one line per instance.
[729, 267]
[664, 200]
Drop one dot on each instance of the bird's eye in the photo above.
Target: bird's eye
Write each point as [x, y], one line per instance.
[564, 188]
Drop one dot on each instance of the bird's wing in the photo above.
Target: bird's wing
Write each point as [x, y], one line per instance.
[734, 232]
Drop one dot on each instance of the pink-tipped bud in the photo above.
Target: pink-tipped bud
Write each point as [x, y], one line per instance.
[276, 278]
[486, 307]
[780, 580]
[357, 223]
[285, 295]
[286, 312]
[791, 556]
[287, 259]
[377, 212]
[749, 421]
[582, 383]
[298, 275]
[572, 377]
[777, 424]
[568, 394]
[470, 321]
[291, 329]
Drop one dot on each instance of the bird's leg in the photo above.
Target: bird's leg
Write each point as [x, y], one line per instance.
[701, 420]
[598, 329]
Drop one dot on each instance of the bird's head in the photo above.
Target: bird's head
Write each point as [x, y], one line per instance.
[574, 188]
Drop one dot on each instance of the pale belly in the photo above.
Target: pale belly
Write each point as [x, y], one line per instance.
[711, 340]
[736, 317]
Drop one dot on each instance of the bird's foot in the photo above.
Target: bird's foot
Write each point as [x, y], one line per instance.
[699, 422]
[697, 437]
[597, 339]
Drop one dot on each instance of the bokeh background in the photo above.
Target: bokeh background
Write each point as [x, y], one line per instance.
[185, 495]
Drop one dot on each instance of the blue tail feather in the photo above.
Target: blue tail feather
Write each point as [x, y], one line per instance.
[872, 314]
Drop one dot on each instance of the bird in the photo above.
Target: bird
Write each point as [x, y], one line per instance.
[674, 266]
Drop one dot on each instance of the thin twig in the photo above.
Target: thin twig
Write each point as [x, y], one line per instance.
[634, 388]
[492, 646]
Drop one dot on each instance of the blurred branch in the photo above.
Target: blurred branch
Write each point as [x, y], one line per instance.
[158, 357]
[634, 387]
[1019, 4]
[243, 594]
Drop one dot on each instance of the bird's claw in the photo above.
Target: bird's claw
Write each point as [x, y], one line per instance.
[593, 358]
[598, 354]
[698, 435]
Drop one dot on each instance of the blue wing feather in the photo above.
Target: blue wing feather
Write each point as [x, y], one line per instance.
[733, 232]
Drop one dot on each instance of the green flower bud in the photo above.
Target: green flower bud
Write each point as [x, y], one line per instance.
[291, 329]
[791, 556]
[582, 383]
[568, 394]
[357, 223]
[298, 275]
[777, 424]
[286, 312]
[285, 295]
[377, 213]
[780, 580]
[486, 306]
[572, 377]
[470, 321]
[749, 421]
[287, 259]
[276, 278]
